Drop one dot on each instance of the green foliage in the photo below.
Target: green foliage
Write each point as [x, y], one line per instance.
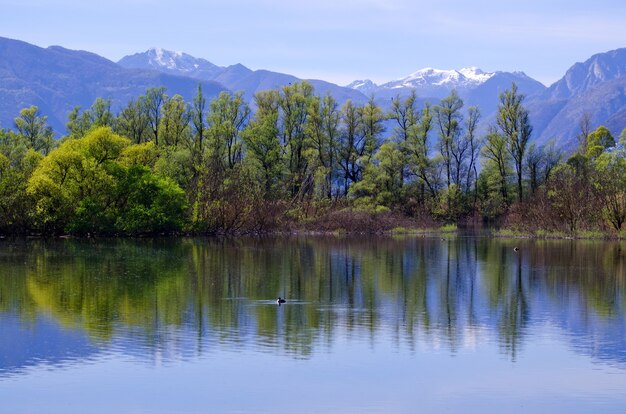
[34, 129]
[598, 141]
[163, 164]
[610, 185]
[262, 142]
[91, 185]
[514, 124]
[148, 202]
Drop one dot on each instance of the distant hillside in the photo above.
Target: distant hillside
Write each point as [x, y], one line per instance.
[596, 87]
[473, 85]
[57, 79]
[236, 77]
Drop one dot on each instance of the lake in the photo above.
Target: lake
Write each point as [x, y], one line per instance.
[371, 324]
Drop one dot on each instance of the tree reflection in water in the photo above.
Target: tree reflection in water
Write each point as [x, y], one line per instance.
[187, 296]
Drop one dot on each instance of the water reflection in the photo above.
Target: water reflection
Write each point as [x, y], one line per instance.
[170, 300]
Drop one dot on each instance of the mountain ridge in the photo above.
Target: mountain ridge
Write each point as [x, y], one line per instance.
[56, 79]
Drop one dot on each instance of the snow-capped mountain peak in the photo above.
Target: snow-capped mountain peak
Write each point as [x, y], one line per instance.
[366, 86]
[164, 58]
[429, 81]
[460, 79]
[476, 75]
[171, 62]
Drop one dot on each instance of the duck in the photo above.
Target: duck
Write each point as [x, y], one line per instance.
[280, 300]
[516, 249]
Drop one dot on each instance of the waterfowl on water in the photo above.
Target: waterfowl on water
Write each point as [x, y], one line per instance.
[516, 248]
[280, 300]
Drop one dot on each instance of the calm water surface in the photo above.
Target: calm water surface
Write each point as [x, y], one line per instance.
[371, 325]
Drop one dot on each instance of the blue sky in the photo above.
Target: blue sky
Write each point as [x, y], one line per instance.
[336, 40]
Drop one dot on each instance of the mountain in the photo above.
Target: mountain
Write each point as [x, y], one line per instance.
[437, 83]
[174, 63]
[596, 87]
[366, 87]
[236, 77]
[56, 79]
[474, 86]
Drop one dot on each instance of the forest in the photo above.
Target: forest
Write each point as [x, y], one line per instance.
[295, 160]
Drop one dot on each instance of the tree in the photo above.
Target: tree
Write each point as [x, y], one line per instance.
[407, 117]
[154, 99]
[585, 129]
[147, 202]
[133, 121]
[372, 123]
[262, 141]
[323, 130]
[420, 164]
[514, 124]
[598, 141]
[534, 160]
[174, 123]
[351, 144]
[610, 183]
[197, 114]
[473, 116]
[228, 116]
[448, 119]
[93, 185]
[294, 105]
[17, 163]
[33, 127]
[572, 198]
[379, 189]
[495, 151]
[74, 185]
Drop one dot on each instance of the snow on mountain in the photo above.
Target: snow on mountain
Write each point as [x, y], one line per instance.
[175, 63]
[174, 60]
[450, 79]
[366, 86]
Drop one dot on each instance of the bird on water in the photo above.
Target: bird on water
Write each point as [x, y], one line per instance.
[280, 300]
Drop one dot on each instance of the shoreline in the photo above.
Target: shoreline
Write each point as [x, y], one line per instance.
[444, 230]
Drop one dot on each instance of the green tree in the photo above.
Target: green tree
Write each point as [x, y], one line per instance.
[133, 121]
[198, 124]
[405, 133]
[474, 146]
[147, 203]
[33, 127]
[598, 141]
[16, 166]
[610, 184]
[174, 123]
[294, 103]
[448, 119]
[495, 152]
[323, 130]
[98, 115]
[74, 185]
[228, 117]
[351, 145]
[154, 99]
[262, 142]
[514, 124]
[419, 160]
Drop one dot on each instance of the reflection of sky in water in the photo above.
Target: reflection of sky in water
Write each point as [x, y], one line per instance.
[357, 376]
[361, 345]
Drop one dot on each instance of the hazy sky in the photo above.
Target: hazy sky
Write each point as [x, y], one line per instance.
[336, 40]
